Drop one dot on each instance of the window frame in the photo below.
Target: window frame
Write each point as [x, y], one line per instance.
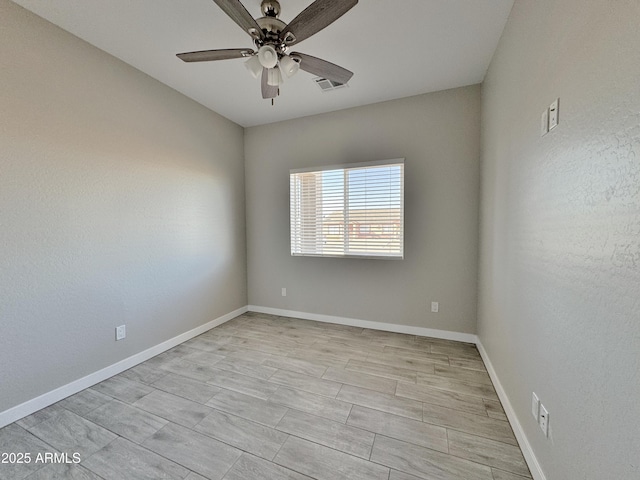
[347, 166]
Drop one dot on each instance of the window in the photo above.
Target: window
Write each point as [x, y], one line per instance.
[354, 210]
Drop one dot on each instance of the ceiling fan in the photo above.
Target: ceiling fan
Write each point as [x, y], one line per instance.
[273, 40]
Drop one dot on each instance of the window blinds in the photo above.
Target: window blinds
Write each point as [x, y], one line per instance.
[354, 210]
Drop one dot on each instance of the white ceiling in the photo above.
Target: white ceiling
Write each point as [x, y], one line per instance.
[395, 48]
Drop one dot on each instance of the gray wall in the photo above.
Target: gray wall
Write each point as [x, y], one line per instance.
[559, 309]
[439, 136]
[121, 202]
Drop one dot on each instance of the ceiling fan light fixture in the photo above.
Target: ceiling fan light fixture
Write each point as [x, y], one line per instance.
[273, 37]
[289, 66]
[268, 56]
[274, 77]
[254, 66]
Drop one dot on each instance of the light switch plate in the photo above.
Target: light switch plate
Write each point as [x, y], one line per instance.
[435, 307]
[535, 406]
[544, 123]
[554, 114]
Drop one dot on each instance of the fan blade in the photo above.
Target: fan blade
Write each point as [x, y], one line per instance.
[209, 55]
[322, 68]
[315, 17]
[236, 11]
[268, 91]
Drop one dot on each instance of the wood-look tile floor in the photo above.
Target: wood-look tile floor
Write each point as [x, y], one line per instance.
[268, 398]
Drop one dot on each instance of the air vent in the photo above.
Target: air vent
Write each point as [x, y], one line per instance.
[328, 85]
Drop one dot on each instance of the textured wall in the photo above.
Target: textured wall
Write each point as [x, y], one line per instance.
[559, 308]
[439, 136]
[121, 201]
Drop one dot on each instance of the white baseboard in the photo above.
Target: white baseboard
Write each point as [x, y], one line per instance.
[525, 446]
[49, 398]
[353, 322]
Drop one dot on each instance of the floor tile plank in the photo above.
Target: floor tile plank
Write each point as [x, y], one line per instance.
[243, 434]
[458, 386]
[358, 379]
[186, 368]
[243, 384]
[173, 408]
[127, 421]
[14, 439]
[323, 463]
[318, 405]
[425, 463]
[206, 358]
[494, 409]
[400, 428]
[62, 471]
[248, 407]
[459, 350]
[381, 370]
[306, 383]
[85, 401]
[246, 367]
[488, 452]
[123, 389]
[143, 373]
[324, 359]
[186, 387]
[249, 467]
[122, 459]
[381, 401]
[445, 398]
[471, 364]
[397, 475]
[40, 416]
[407, 363]
[473, 376]
[199, 453]
[69, 432]
[417, 353]
[296, 365]
[469, 423]
[338, 436]
[502, 475]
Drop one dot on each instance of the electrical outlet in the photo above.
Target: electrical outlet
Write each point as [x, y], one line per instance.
[435, 307]
[535, 406]
[121, 332]
[544, 420]
[284, 292]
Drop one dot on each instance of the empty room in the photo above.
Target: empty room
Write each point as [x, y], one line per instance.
[407, 248]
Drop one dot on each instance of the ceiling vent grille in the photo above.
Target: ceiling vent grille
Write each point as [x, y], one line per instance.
[328, 85]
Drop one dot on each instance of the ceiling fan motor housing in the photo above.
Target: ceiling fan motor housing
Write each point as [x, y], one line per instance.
[270, 8]
[271, 26]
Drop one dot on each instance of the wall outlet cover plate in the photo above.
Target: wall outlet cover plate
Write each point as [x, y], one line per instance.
[121, 332]
[544, 420]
